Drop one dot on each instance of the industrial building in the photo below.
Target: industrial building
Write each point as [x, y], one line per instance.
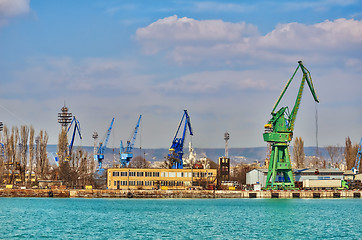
[259, 175]
[155, 178]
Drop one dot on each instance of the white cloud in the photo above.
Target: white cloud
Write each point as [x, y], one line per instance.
[189, 41]
[12, 8]
[173, 31]
[213, 82]
[341, 34]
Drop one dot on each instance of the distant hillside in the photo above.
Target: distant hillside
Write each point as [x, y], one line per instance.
[247, 155]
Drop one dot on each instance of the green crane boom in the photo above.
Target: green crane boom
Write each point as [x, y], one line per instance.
[279, 132]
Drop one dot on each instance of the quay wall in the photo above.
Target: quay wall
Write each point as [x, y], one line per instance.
[95, 193]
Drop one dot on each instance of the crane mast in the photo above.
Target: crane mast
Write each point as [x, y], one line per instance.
[279, 132]
[126, 151]
[176, 149]
[99, 156]
[76, 129]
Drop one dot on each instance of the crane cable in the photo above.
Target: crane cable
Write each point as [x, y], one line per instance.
[316, 128]
[141, 137]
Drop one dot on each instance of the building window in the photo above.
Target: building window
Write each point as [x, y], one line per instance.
[196, 174]
[139, 174]
[148, 174]
[156, 174]
[124, 183]
[171, 174]
[178, 174]
[123, 174]
[139, 183]
[132, 183]
[163, 174]
[132, 174]
[210, 174]
[148, 183]
[115, 174]
[115, 183]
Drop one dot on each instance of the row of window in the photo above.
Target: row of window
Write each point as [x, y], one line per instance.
[163, 174]
[134, 174]
[148, 183]
[133, 183]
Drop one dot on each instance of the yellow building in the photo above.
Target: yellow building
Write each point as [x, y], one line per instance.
[152, 178]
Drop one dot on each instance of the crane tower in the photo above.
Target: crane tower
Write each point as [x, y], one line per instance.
[279, 132]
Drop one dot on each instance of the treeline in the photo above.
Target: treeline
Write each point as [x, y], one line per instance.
[24, 160]
[337, 155]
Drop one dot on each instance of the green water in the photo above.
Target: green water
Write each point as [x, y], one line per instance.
[37, 218]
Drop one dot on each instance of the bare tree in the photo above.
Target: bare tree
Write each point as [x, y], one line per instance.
[334, 153]
[10, 143]
[2, 160]
[42, 156]
[64, 168]
[139, 162]
[170, 160]
[62, 146]
[239, 173]
[298, 152]
[24, 135]
[350, 153]
[31, 154]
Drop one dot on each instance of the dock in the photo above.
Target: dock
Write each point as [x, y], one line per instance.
[95, 193]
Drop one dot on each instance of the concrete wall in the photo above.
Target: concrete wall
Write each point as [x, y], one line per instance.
[77, 193]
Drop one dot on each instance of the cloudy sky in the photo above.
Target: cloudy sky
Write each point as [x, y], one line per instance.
[226, 62]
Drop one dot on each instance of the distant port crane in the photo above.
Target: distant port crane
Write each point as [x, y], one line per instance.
[279, 132]
[357, 163]
[176, 149]
[126, 151]
[99, 156]
[76, 129]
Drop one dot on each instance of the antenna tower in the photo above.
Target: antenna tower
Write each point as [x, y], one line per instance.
[95, 136]
[64, 117]
[226, 138]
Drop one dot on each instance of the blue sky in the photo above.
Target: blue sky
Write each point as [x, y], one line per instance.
[224, 61]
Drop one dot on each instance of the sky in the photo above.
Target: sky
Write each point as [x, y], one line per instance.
[226, 62]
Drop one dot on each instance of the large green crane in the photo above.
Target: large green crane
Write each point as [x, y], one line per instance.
[279, 132]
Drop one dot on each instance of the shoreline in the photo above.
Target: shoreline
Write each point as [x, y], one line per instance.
[96, 193]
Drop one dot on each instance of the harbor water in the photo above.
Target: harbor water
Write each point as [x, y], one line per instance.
[41, 218]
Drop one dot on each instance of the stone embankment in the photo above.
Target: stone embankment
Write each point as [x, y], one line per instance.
[77, 193]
